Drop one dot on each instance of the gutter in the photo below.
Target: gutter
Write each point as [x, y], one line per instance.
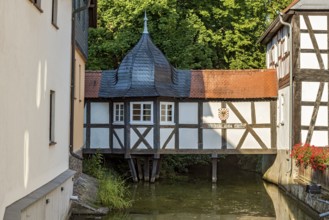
[291, 86]
[86, 6]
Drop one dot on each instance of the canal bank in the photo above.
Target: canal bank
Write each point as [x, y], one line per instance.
[294, 180]
[237, 194]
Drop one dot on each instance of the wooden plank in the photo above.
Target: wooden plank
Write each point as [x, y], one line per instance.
[308, 75]
[284, 82]
[139, 169]
[200, 130]
[111, 125]
[99, 126]
[312, 51]
[316, 128]
[188, 126]
[315, 31]
[219, 151]
[146, 169]
[295, 45]
[304, 103]
[182, 151]
[127, 125]
[176, 124]
[154, 169]
[132, 169]
[141, 138]
[156, 120]
[296, 121]
[251, 131]
[253, 113]
[224, 131]
[214, 159]
[243, 138]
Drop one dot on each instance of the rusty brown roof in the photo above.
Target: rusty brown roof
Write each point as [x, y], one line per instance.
[92, 83]
[234, 84]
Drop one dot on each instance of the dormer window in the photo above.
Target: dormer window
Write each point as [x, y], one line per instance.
[141, 112]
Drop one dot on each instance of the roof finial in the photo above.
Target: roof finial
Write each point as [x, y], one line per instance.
[145, 24]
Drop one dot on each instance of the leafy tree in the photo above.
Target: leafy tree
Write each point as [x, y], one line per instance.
[192, 34]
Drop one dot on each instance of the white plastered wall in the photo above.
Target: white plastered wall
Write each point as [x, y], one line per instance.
[283, 119]
[34, 59]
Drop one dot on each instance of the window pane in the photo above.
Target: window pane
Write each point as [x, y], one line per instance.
[169, 107]
[121, 117]
[146, 118]
[136, 118]
[136, 112]
[136, 106]
[146, 112]
[163, 107]
[163, 118]
[169, 118]
[147, 106]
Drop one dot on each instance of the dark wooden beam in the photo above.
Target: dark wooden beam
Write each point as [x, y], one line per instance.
[141, 138]
[200, 130]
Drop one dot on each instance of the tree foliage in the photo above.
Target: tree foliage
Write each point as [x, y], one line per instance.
[192, 34]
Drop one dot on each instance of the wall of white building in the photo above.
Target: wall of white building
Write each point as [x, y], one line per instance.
[34, 59]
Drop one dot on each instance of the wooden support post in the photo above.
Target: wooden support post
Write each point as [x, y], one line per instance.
[214, 158]
[157, 175]
[154, 169]
[139, 169]
[146, 169]
[132, 169]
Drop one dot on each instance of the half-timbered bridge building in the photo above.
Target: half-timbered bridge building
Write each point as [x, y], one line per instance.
[147, 107]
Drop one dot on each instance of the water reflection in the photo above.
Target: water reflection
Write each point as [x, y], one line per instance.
[237, 195]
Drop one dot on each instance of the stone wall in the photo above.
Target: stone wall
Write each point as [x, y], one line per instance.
[76, 164]
[293, 180]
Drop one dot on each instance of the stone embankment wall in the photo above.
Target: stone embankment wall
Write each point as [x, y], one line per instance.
[292, 179]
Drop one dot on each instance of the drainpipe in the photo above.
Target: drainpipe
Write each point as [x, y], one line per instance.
[86, 6]
[291, 87]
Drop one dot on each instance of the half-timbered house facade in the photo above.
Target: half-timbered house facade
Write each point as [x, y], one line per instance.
[299, 53]
[147, 107]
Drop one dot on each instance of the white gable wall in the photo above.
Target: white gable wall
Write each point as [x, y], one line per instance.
[34, 59]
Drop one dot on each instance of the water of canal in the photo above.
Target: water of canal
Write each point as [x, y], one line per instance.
[237, 195]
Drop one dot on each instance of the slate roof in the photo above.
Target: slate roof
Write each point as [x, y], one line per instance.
[215, 84]
[234, 84]
[145, 71]
[92, 83]
[296, 5]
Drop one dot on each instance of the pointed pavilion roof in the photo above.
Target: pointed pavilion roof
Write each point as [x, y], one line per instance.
[145, 71]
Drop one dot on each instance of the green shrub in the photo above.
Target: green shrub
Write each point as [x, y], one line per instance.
[113, 192]
[93, 166]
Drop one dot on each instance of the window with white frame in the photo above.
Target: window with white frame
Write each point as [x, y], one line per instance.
[167, 112]
[141, 112]
[118, 112]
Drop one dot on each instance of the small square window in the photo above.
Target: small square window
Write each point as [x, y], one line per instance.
[141, 112]
[167, 113]
[118, 113]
